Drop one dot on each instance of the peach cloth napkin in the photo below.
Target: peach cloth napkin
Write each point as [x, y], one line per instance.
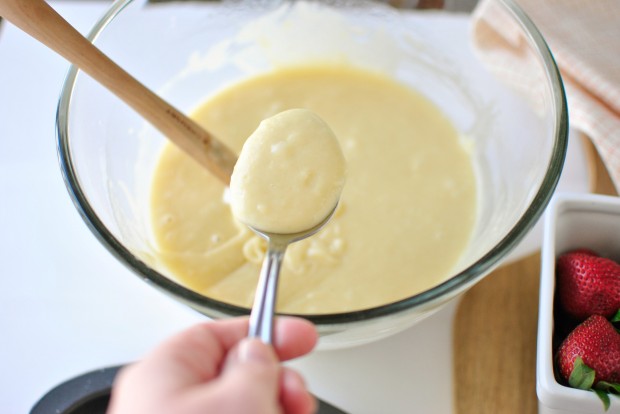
[584, 38]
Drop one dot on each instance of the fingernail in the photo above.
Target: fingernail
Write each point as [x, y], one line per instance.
[253, 350]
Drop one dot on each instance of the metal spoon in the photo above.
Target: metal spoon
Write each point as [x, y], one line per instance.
[263, 309]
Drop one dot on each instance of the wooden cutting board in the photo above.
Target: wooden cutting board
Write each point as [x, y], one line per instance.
[495, 332]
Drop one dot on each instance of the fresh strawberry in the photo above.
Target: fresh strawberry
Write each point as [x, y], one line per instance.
[588, 284]
[589, 357]
[597, 342]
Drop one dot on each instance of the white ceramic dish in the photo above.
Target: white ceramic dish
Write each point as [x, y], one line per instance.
[572, 221]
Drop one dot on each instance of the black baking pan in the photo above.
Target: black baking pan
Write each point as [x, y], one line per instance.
[90, 394]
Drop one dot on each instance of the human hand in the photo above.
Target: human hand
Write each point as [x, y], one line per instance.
[214, 368]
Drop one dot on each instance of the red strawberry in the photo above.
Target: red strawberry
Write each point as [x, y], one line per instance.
[588, 284]
[597, 343]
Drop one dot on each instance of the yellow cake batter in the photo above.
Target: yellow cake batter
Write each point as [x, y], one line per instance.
[404, 218]
[289, 175]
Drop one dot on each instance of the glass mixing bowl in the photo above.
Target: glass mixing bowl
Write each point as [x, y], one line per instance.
[489, 71]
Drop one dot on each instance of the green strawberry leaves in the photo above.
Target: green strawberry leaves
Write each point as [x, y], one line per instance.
[616, 317]
[582, 377]
[603, 389]
[604, 398]
[608, 387]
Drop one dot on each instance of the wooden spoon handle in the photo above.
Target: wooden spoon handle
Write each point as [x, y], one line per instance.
[41, 21]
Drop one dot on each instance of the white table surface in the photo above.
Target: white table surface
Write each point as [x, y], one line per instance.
[69, 307]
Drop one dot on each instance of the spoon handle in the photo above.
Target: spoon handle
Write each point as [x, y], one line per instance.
[40, 20]
[263, 310]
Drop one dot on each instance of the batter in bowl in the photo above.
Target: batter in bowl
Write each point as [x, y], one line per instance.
[404, 218]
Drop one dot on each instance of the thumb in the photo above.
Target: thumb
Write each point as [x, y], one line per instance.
[251, 352]
[252, 370]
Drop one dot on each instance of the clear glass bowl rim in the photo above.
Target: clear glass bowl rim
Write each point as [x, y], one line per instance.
[439, 293]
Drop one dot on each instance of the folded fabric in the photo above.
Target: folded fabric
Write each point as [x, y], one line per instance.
[584, 38]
